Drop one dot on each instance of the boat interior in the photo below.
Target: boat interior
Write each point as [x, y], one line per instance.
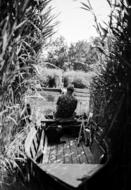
[70, 159]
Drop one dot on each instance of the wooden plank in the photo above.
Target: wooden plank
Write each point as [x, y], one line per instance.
[89, 155]
[36, 142]
[31, 154]
[33, 150]
[28, 142]
[80, 153]
[46, 158]
[71, 152]
[52, 157]
[60, 158]
[63, 152]
[35, 145]
[73, 149]
[96, 150]
[72, 175]
[83, 156]
[66, 151]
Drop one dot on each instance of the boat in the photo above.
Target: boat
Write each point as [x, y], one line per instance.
[73, 162]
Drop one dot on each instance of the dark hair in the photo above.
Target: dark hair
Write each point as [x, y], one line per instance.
[70, 88]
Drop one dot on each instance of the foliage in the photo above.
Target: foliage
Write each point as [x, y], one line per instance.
[12, 163]
[53, 78]
[57, 52]
[21, 37]
[82, 54]
[49, 77]
[76, 56]
[114, 78]
[80, 79]
[111, 90]
[24, 28]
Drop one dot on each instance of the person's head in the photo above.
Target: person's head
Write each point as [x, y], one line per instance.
[70, 89]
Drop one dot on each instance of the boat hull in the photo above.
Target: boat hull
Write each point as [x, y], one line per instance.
[56, 175]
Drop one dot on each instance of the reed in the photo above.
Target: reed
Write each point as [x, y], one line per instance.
[24, 28]
[113, 79]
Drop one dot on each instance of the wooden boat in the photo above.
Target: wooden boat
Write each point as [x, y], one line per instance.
[64, 164]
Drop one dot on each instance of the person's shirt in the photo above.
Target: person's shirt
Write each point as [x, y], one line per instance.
[66, 106]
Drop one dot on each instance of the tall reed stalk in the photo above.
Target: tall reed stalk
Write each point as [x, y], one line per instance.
[25, 25]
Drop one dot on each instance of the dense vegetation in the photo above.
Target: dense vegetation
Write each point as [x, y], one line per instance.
[25, 25]
[76, 56]
[111, 88]
[75, 63]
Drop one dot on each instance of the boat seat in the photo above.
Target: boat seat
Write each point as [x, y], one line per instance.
[61, 121]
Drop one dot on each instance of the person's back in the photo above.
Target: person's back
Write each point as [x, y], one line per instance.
[66, 104]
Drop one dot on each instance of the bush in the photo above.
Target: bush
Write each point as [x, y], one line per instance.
[50, 77]
[78, 78]
[79, 83]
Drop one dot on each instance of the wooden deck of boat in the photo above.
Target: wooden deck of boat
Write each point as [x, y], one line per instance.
[68, 152]
[70, 164]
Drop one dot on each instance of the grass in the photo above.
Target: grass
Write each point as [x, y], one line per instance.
[12, 162]
[12, 154]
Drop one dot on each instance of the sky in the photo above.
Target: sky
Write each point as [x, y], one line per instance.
[75, 23]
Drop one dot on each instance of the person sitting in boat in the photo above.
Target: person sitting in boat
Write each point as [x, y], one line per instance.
[66, 104]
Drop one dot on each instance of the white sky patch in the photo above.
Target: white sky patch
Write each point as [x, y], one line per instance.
[76, 23]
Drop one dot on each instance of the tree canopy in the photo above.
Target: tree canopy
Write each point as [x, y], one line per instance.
[77, 56]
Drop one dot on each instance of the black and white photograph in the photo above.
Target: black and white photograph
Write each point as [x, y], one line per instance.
[65, 94]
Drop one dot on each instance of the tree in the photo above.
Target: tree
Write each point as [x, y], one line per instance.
[78, 56]
[58, 52]
[82, 54]
[78, 51]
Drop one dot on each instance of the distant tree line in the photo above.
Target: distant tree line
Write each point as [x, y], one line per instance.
[77, 56]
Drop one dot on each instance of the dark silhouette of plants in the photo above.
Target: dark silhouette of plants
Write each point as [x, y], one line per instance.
[111, 88]
[25, 25]
[114, 77]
